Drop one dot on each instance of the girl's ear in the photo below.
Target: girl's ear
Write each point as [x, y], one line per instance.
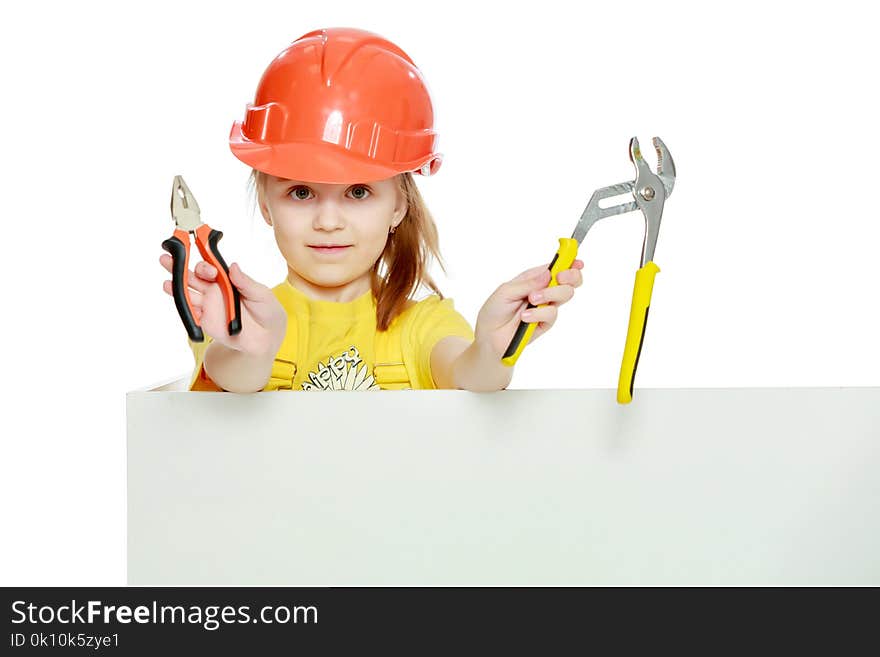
[264, 210]
[258, 179]
[399, 209]
[397, 219]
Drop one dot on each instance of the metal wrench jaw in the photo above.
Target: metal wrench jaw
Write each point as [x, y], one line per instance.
[184, 208]
[665, 165]
[650, 191]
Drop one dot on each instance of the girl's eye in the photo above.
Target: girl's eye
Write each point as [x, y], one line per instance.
[303, 193]
[296, 192]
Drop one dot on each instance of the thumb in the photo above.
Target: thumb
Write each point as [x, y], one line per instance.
[526, 282]
[247, 286]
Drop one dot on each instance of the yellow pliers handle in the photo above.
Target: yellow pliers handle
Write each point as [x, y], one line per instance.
[566, 254]
[635, 333]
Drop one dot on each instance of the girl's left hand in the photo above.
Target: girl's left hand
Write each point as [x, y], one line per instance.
[501, 314]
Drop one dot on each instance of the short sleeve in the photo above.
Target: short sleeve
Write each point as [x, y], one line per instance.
[434, 319]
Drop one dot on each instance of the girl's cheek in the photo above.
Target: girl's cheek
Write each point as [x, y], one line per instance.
[285, 228]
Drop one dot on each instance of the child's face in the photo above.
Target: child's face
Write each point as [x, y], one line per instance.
[331, 235]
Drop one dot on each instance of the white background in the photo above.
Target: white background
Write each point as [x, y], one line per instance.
[768, 248]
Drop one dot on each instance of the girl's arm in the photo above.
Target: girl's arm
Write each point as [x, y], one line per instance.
[457, 363]
[238, 371]
[477, 366]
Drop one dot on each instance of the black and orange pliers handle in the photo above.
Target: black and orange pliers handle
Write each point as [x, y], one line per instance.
[185, 211]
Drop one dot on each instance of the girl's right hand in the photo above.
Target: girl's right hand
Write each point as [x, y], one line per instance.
[263, 318]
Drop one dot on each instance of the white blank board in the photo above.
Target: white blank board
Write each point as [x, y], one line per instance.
[756, 486]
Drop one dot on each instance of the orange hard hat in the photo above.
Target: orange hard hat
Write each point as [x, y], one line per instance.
[339, 105]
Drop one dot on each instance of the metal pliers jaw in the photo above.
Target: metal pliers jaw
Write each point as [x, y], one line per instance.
[651, 190]
[187, 220]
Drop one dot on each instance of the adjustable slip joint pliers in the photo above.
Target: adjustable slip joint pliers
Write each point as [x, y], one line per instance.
[187, 219]
[649, 192]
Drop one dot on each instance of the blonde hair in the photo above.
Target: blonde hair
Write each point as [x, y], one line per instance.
[403, 265]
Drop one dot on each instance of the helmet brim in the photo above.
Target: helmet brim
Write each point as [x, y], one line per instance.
[319, 162]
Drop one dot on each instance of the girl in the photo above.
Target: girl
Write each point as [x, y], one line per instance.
[341, 121]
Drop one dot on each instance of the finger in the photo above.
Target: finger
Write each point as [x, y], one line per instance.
[557, 294]
[528, 273]
[571, 277]
[203, 273]
[205, 270]
[546, 314]
[534, 271]
[195, 298]
[519, 287]
[247, 286]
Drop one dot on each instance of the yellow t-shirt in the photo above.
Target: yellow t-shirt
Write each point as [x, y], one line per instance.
[335, 344]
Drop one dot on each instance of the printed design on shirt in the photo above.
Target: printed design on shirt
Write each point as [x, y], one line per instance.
[344, 372]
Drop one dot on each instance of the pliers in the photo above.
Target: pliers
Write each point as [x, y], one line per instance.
[187, 219]
[649, 191]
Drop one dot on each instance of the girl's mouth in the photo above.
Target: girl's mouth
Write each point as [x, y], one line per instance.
[329, 249]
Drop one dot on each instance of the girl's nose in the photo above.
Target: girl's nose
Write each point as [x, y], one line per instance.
[328, 217]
